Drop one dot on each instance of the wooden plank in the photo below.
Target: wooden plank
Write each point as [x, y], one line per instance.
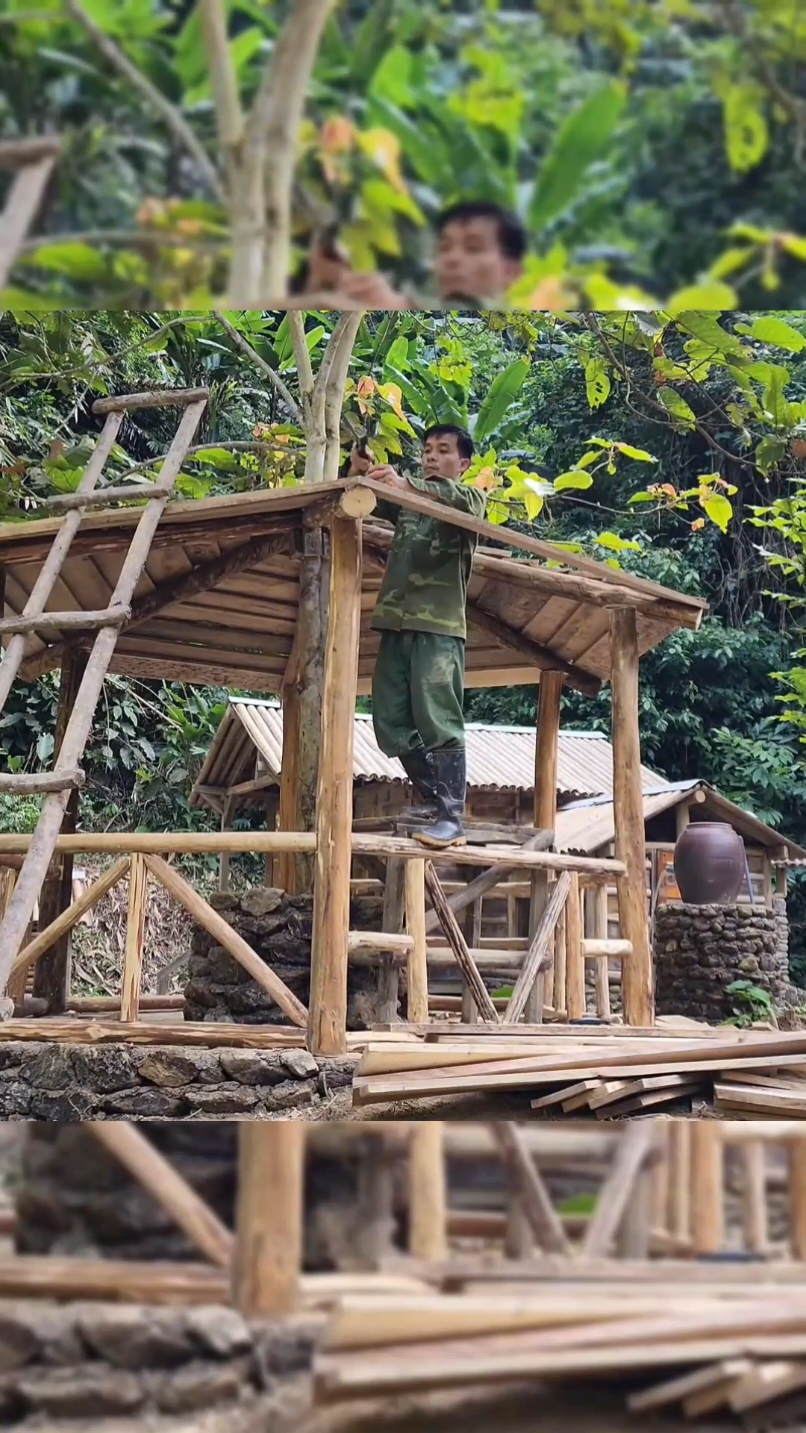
[267, 1258]
[456, 941]
[156, 1174]
[327, 1021]
[234, 943]
[135, 933]
[541, 657]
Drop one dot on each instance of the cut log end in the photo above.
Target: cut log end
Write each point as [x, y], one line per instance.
[357, 502]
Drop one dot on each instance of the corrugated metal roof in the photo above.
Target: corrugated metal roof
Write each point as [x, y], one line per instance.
[587, 826]
[497, 756]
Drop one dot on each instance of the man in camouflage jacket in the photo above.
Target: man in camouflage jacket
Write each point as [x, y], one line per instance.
[418, 684]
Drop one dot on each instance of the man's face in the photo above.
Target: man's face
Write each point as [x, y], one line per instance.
[441, 458]
[470, 262]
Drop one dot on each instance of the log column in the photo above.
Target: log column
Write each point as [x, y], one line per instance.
[267, 1262]
[547, 752]
[327, 1024]
[428, 1196]
[628, 813]
[52, 970]
[707, 1188]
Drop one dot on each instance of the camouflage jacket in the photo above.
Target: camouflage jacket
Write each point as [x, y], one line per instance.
[424, 588]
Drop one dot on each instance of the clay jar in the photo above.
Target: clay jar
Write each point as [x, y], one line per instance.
[709, 863]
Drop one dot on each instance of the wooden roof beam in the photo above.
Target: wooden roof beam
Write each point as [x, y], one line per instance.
[540, 657]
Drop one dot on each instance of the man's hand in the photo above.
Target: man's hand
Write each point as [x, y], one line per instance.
[388, 475]
[372, 291]
[360, 463]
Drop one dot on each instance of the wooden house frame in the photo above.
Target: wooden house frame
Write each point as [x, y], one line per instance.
[207, 592]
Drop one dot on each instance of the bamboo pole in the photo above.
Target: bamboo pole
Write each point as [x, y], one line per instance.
[267, 1262]
[327, 1021]
[418, 955]
[707, 1188]
[135, 933]
[428, 1196]
[574, 959]
[156, 1174]
[628, 810]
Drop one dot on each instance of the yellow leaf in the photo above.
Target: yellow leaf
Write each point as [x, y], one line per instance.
[393, 396]
[698, 524]
[384, 149]
[338, 135]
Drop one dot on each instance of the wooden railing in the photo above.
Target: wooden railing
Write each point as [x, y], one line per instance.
[557, 953]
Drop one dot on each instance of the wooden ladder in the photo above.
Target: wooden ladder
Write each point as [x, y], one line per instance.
[32, 162]
[66, 776]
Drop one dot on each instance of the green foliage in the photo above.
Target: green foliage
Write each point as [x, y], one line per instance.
[647, 142]
[753, 1004]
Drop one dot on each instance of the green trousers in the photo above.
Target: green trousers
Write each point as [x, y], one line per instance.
[417, 692]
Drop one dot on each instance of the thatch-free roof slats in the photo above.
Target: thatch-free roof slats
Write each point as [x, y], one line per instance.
[218, 599]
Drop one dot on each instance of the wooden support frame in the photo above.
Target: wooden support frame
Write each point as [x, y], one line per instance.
[456, 940]
[327, 1020]
[33, 160]
[628, 811]
[417, 984]
[428, 1193]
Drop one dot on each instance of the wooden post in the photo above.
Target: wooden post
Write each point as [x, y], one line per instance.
[428, 1195]
[796, 1155]
[679, 1210]
[628, 812]
[52, 972]
[547, 755]
[135, 934]
[574, 959]
[754, 1196]
[470, 1014]
[225, 857]
[287, 819]
[597, 896]
[559, 964]
[267, 1263]
[418, 955]
[388, 969]
[707, 1188]
[327, 1024]
[682, 817]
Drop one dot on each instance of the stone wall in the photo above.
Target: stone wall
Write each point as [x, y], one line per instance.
[77, 1082]
[93, 1360]
[701, 950]
[279, 928]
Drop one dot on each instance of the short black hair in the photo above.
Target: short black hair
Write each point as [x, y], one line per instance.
[512, 235]
[464, 442]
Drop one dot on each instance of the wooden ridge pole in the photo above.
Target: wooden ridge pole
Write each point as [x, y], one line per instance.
[628, 813]
[267, 1261]
[327, 1021]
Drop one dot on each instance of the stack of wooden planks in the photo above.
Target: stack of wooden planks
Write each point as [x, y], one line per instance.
[608, 1071]
[700, 1345]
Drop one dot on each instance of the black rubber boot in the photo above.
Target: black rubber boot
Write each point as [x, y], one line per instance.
[449, 764]
[420, 772]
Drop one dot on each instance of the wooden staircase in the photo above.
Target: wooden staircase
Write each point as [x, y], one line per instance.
[67, 774]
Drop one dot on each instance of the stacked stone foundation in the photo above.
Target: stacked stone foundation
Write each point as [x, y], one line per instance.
[104, 1360]
[279, 929]
[701, 950]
